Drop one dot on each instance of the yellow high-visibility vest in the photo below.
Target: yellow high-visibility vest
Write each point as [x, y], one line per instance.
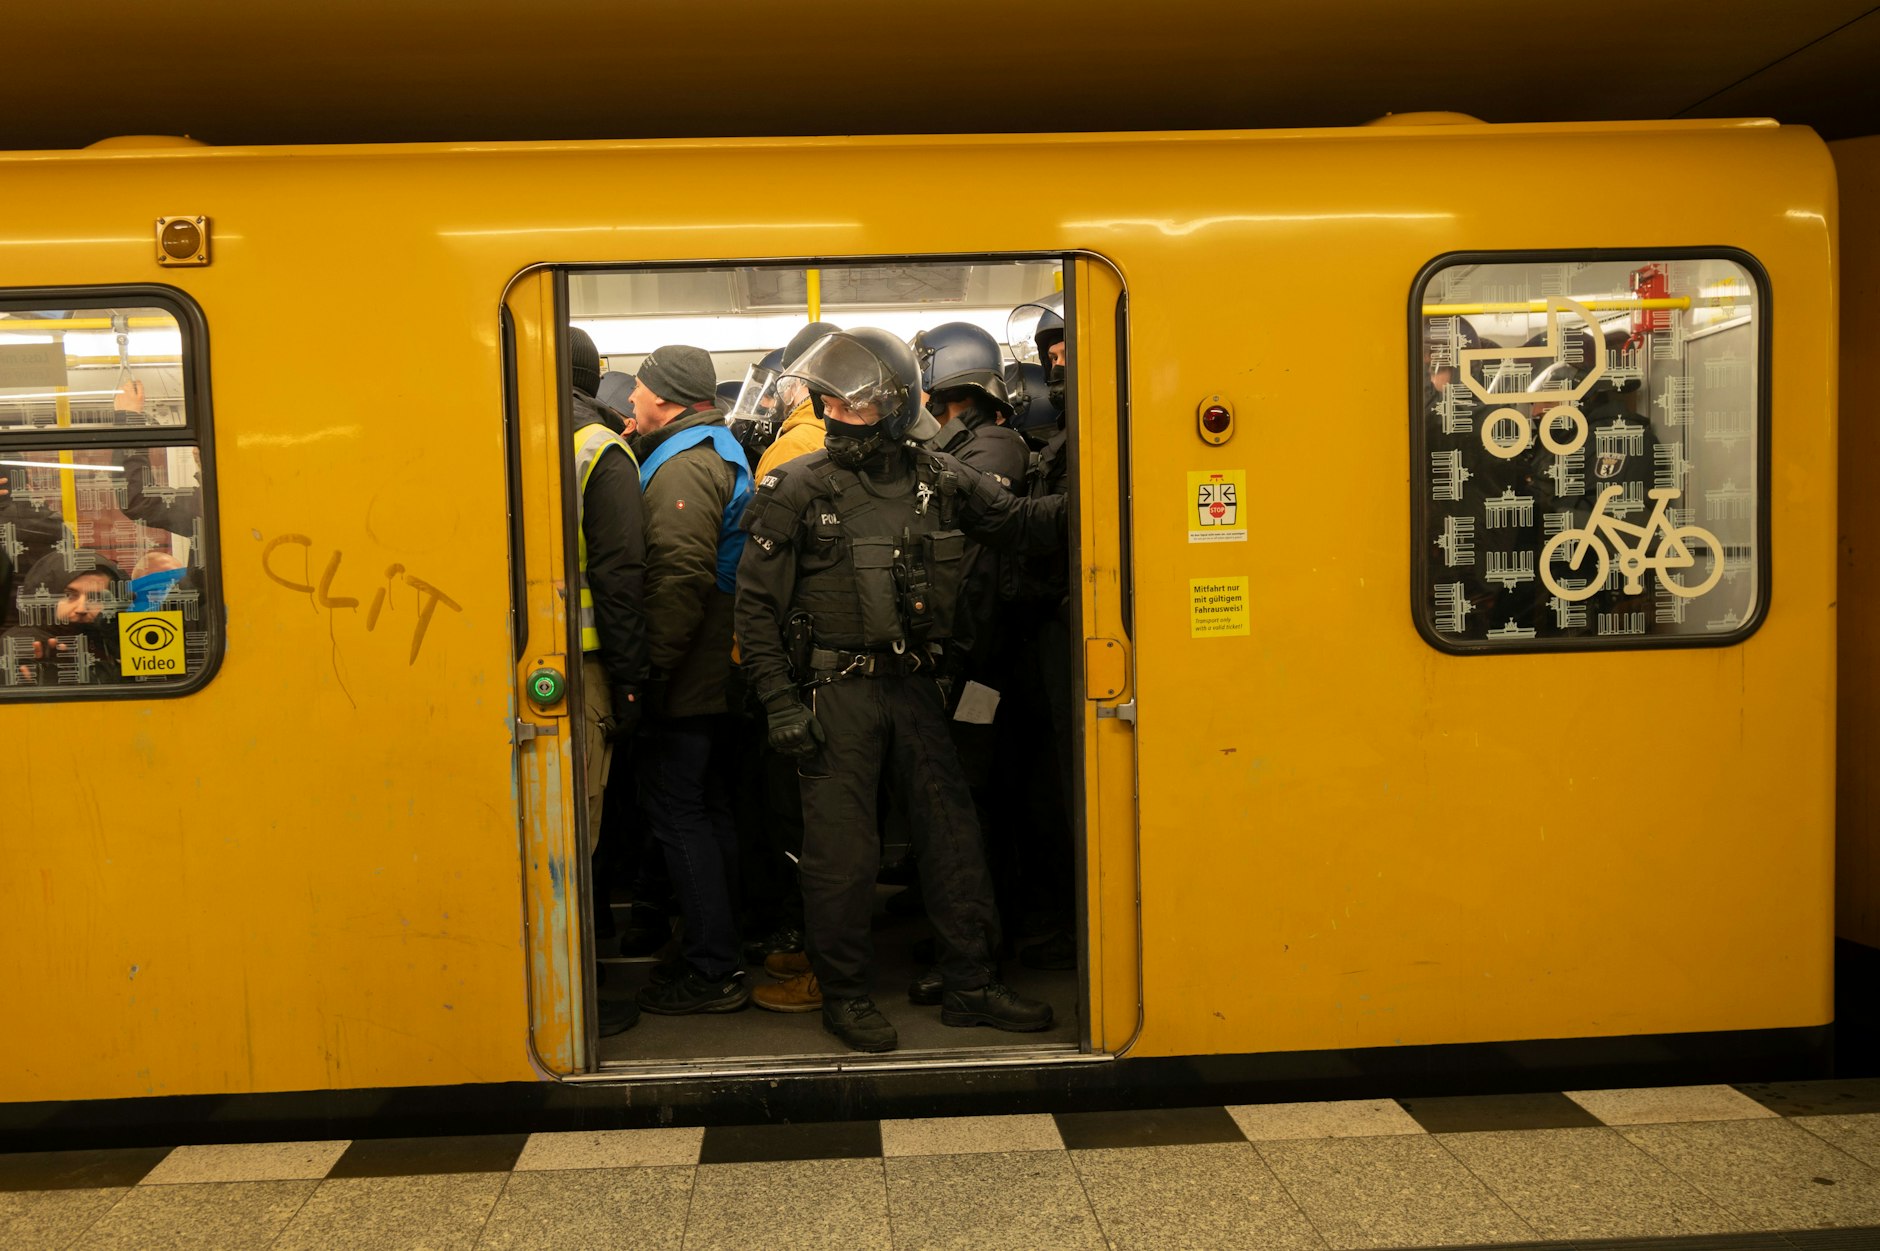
[590, 441]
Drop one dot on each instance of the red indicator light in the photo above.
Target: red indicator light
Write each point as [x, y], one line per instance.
[1215, 419]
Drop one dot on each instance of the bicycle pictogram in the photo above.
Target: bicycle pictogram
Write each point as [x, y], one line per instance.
[1565, 400]
[1602, 530]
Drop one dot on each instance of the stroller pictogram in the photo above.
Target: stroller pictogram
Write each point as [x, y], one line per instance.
[1565, 400]
[1605, 537]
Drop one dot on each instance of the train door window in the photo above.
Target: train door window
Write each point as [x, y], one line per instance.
[1590, 442]
[107, 565]
[742, 318]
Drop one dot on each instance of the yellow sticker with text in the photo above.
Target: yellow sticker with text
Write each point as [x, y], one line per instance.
[150, 644]
[1214, 514]
[1218, 608]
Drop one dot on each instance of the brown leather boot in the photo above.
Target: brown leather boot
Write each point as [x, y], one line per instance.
[799, 994]
[784, 965]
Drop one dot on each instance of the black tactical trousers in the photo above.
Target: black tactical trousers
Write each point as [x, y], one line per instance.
[897, 720]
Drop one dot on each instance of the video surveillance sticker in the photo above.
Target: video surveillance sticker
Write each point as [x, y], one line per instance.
[150, 644]
[1214, 514]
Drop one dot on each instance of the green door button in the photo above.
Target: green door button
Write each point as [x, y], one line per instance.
[546, 686]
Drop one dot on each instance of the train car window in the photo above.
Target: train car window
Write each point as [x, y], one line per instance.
[106, 560]
[1590, 450]
[81, 368]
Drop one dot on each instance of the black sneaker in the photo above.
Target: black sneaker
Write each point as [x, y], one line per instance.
[671, 968]
[693, 992]
[925, 989]
[859, 1023]
[783, 939]
[617, 1016]
[997, 1005]
[1056, 952]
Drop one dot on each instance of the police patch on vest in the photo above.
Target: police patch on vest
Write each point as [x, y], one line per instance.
[830, 519]
[763, 542]
[770, 480]
[1609, 465]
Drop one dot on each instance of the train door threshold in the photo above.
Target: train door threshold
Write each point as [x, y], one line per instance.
[989, 1057]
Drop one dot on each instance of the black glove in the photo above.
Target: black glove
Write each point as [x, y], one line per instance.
[653, 697]
[794, 730]
[625, 718]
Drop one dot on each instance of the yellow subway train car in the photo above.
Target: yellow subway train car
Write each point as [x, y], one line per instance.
[1453, 577]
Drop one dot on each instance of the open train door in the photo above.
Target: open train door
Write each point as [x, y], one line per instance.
[1104, 678]
[547, 693]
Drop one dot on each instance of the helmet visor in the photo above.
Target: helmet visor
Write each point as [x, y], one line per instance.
[838, 365]
[1027, 322]
[758, 396]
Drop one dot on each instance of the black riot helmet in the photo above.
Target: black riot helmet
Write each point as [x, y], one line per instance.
[757, 396]
[752, 414]
[960, 356]
[1033, 328]
[801, 340]
[1032, 412]
[869, 370]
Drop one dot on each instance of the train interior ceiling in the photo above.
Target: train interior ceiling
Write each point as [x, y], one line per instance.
[740, 316]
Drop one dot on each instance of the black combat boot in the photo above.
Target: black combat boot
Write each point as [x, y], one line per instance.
[859, 1023]
[997, 1005]
[925, 989]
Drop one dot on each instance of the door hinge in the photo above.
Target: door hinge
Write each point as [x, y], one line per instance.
[1125, 711]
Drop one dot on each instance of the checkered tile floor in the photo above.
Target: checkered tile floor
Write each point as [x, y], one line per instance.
[1793, 1166]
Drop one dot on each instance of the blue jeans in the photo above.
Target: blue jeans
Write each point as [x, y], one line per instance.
[684, 794]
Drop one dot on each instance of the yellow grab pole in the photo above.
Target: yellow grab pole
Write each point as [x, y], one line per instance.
[68, 481]
[1540, 306]
[86, 323]
[813, 279]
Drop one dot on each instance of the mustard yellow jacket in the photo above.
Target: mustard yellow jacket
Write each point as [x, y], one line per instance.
[802, 434]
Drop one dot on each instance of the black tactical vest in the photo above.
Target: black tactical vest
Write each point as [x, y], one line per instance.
[882, 570]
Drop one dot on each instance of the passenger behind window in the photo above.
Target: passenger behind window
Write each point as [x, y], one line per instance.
[169, 507]
[67, 623]
[153, 579]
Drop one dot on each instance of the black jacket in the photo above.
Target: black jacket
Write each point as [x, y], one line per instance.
[790, 502]
[1003, 455]
[613, 521]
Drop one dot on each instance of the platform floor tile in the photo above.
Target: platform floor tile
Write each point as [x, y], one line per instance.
[1206, 1196]
[789, 1205]
[1587, 1183]
[1668, 1104]
[1005, 1201]
[437, 1212]
[1399, 1191]
[225, 1216]
[1768, 1174]
[621, 1209]
[1342, 1118]
[41, 1220]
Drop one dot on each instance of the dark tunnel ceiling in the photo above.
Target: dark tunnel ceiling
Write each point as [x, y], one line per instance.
[345, 71]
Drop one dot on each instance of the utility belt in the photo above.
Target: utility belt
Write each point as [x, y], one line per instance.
[827, 664]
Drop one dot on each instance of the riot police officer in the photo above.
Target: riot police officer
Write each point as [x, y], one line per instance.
[846, 597]
[960, 372]
[1041, 701]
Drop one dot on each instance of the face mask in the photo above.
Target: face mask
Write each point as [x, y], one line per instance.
[1055, 377]
[153, 588]
[845, 448]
